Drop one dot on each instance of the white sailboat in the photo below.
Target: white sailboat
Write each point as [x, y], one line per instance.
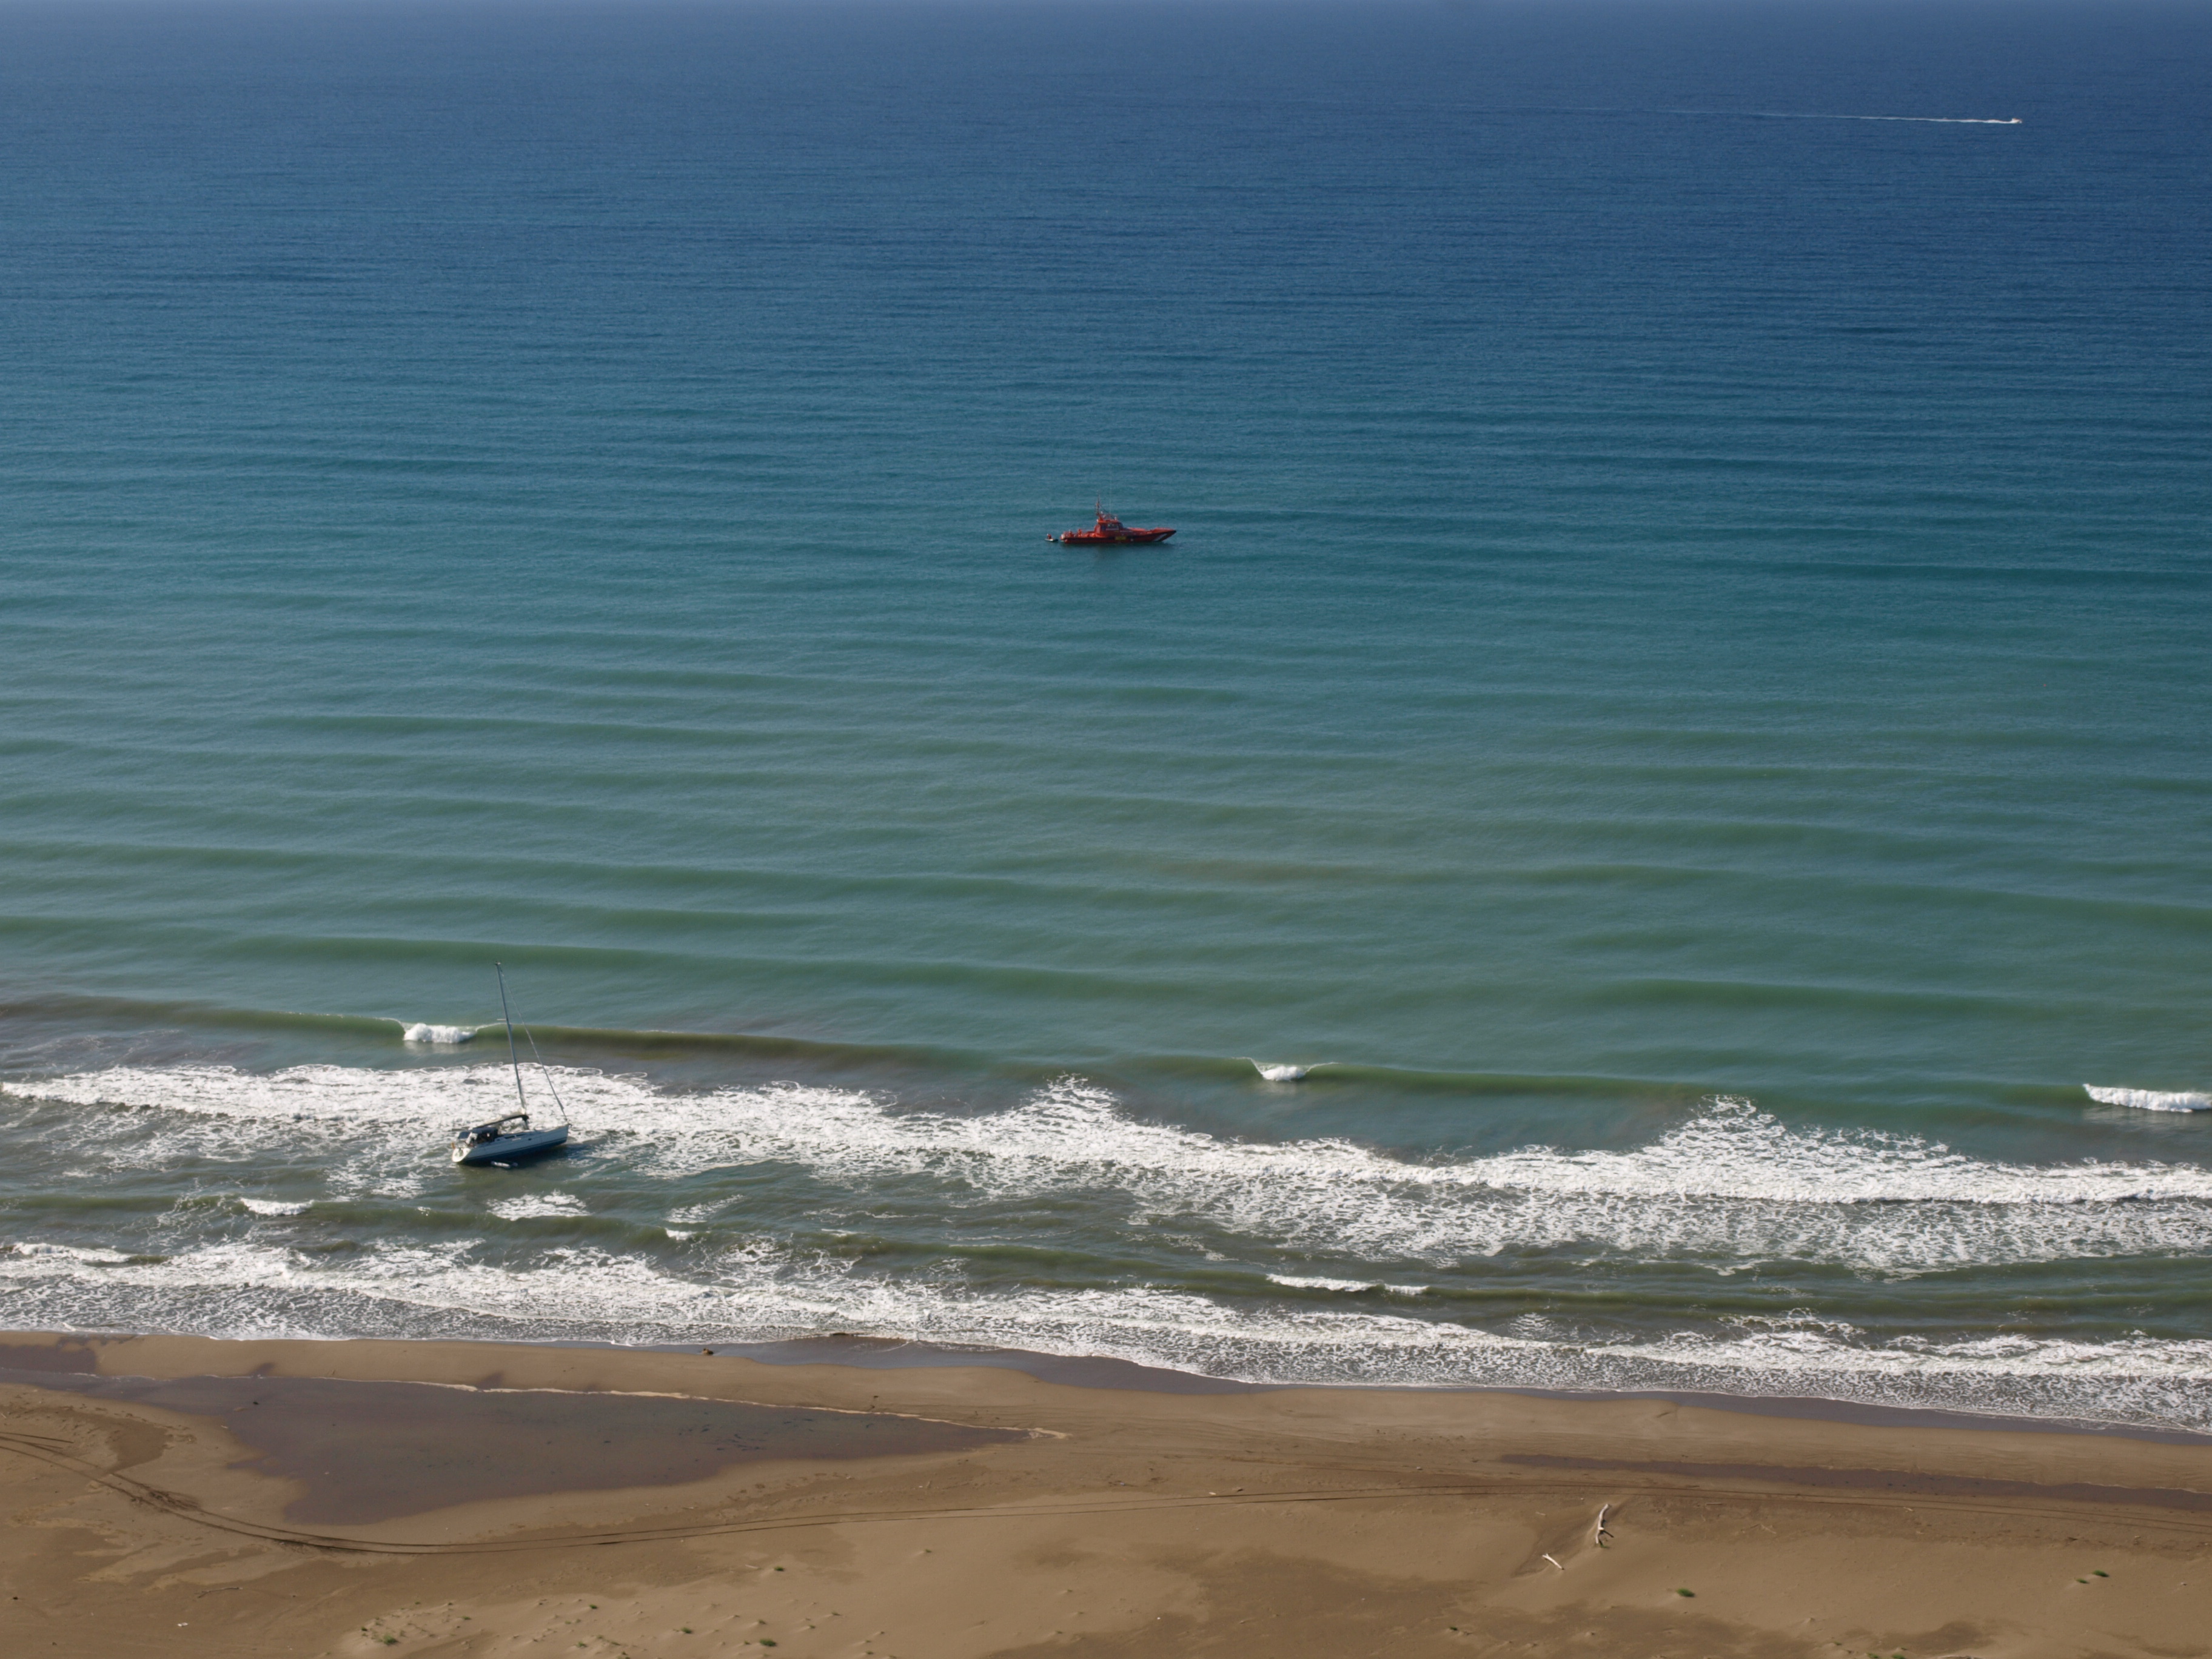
[511, 1138]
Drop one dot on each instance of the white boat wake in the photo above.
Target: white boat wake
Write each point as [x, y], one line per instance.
[1931, 121]
[1825, 115]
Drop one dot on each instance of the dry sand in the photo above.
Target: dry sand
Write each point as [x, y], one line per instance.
[311, 1505]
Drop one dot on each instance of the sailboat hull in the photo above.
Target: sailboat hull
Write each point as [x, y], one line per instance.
[510, 1149]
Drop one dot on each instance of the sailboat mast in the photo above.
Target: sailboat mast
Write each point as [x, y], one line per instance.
[507, 1020]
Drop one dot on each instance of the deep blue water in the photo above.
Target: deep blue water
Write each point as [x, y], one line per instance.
[1681, 670]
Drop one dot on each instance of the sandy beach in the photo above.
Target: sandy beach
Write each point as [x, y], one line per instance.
[187, 1497]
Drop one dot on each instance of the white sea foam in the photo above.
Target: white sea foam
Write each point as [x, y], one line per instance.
[538, 1204]
[271, 1207]
[761, 1293]
[1732, 1187]
[300, 1094]
[52, 1257]
[1733, 1184]
[2151, 1100]
[442, 1035]
[1286, 1073]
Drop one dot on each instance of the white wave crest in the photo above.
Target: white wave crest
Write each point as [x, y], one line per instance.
[217, 1110]
[443, 1036]
[538, 1204]
[759, 1292]
[2150, 1100]
[1286, 1073]
[1733, 1186]
[62, 1257]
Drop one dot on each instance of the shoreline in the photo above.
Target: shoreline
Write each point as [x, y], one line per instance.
[1103, 1372]
[1100, 1372]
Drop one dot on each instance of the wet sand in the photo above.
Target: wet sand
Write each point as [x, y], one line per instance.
[619, 1502]
[372, 1451]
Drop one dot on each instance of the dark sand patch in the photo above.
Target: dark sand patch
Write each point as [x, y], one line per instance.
[60, 1354]
[367, 1452]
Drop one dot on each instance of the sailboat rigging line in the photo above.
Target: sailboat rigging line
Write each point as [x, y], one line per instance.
[513, 1059]
[547, 1072]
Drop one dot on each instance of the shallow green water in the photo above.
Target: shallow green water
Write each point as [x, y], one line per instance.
[1667, 608]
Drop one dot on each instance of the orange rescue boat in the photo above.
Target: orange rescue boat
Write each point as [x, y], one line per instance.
[1109, 530]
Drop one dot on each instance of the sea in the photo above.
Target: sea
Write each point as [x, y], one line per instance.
[1678, 695]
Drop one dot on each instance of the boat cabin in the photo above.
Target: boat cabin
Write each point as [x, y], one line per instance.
[514, 1123]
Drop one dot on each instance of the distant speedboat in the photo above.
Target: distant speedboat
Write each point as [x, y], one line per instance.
[510, 1138]
[1109, 531]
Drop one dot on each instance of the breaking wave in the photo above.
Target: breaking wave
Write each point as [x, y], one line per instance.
[761, 1294]
[1305, 1257]
[1733, 1186]
[2151, 1100]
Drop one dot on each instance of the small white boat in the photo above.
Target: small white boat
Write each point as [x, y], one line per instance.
[510, 1138]
[503, 1142]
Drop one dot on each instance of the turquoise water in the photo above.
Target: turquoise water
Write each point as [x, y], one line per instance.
[1680, 673]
